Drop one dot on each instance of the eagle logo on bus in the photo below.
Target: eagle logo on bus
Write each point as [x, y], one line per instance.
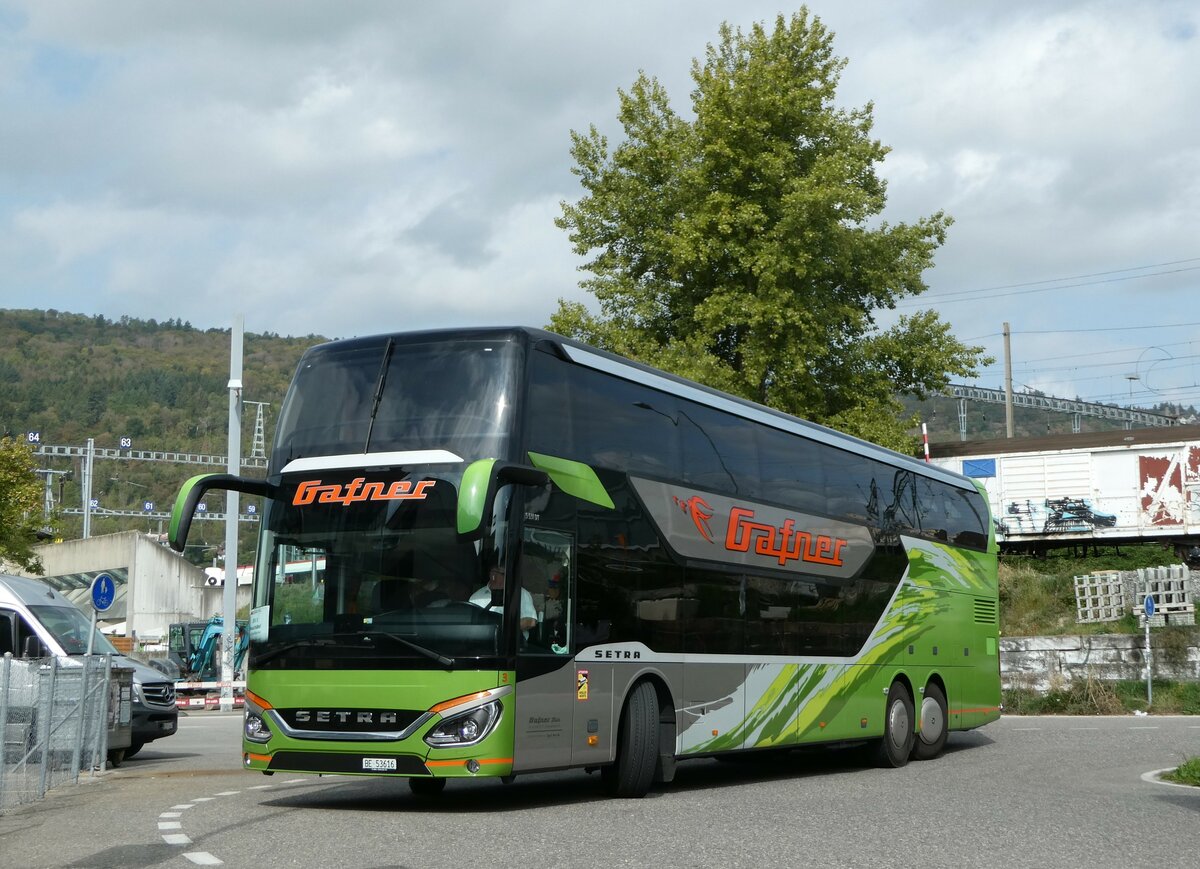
[698, 509]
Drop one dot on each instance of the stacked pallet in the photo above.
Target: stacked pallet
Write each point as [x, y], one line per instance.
[1173, 593]
[1099, 597]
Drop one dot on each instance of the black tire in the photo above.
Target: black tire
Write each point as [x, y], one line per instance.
[930, 742]
[116, 756]
[894, 748]
[134, 748]
[637, 746]
[426, 787]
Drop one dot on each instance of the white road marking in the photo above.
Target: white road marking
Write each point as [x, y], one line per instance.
[170, 825]
[203, 858]
[182, 806]
[176, 839]
[171, 815]
[227, 793]
[260, 787]
[203, 799]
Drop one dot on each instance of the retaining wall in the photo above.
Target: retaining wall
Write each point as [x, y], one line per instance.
[1037, 663]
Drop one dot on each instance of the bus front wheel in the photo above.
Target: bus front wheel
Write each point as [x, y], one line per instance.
[932, 738]
[897, 743]
[632, 773]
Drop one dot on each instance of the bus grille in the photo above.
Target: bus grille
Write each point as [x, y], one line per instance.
[985, 611]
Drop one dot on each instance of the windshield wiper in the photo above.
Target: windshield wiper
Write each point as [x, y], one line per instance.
[380, 381]
[448, 663]
[323, 642]
[330, 641]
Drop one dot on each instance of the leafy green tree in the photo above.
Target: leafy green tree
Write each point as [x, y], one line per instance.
[743, 247]
[20, 505]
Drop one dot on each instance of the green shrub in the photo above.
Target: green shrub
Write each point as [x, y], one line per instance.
[1090, 696]
[1095, 697]
[1188, 773]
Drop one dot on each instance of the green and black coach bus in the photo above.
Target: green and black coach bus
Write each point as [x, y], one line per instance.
[534, 555]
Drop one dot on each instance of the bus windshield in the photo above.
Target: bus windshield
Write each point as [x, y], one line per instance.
[379, 395]
[367, 571]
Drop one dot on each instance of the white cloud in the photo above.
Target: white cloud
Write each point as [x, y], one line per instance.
[340, 169]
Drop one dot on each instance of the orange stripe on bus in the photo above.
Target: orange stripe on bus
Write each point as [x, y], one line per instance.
[462, 760]
[262, 758]
[980, 709]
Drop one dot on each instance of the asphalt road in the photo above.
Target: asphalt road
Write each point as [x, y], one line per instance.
[1022, 792]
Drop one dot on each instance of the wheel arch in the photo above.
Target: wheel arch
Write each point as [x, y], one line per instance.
[936, 678]
[667, 718]
[906, 680]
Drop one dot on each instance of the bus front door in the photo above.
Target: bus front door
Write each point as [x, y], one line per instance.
[546, 680]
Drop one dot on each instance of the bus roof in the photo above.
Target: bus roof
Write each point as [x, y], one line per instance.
[627, 369]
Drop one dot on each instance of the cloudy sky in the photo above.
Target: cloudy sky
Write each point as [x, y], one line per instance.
[349, 168]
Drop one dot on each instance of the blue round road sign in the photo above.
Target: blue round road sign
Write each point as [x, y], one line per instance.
[104, 592]
[1149, 605]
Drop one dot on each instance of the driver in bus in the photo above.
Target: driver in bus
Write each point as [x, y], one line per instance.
[483, 598]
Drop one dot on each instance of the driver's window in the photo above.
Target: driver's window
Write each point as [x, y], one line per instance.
[26, 637]
[545, 569]
[8, 634]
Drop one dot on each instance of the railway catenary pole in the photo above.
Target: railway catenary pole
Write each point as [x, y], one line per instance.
[1008, 390]
[229, 598]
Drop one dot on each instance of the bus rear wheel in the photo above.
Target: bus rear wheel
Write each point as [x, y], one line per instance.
[896, 745]
[932, 738]
[637, 745]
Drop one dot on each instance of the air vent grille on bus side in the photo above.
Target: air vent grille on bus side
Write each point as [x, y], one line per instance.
[985, 611]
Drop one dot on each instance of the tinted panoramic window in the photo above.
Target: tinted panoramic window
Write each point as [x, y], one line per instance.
[579, 413]
[380, 396]
[629, 588]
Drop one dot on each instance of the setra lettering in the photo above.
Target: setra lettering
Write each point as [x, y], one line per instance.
[620, 654]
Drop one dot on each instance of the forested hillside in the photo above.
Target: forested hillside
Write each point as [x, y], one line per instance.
[985, 421]
[162, 384]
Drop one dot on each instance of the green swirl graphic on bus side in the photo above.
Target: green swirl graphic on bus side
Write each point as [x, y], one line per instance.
[786, 704]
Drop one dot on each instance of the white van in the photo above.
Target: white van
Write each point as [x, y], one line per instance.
[36, 622]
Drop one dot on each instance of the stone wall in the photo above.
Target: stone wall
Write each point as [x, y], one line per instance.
[1037, 663]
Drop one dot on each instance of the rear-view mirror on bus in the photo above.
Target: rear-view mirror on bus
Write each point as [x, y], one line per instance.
[195, 489]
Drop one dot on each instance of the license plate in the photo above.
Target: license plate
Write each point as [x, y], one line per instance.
[379, 764]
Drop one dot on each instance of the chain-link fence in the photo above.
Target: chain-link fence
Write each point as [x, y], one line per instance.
[55, 715]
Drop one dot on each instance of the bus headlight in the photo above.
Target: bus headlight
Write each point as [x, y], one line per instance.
[467, 728]
[254, 723]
